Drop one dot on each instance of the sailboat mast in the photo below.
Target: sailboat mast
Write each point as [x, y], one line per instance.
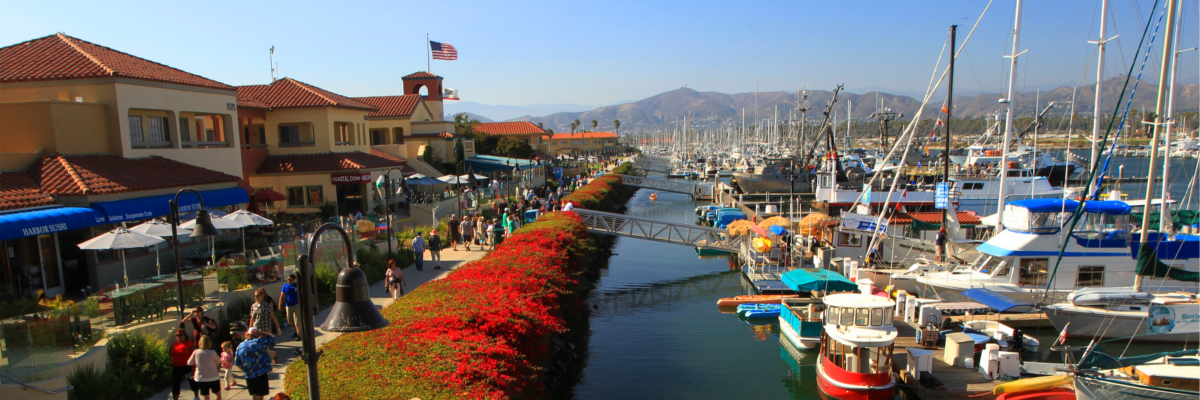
[1012, 79]
[949, 109]
[1159, 121]
[1099, 81]
[1165, 221]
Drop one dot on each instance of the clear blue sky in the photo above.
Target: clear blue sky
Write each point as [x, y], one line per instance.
[604, 52]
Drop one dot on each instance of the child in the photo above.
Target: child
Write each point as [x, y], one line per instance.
[227, 365]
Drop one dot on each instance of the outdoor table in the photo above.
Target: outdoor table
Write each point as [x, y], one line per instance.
[120, 298]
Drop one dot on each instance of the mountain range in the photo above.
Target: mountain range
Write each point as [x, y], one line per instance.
[713, 109]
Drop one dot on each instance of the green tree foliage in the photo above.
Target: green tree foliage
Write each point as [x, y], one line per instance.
[594, 125]
[617, 126]
[515, 148]
[459, 152]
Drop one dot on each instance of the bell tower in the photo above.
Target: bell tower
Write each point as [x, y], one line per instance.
[433, 86]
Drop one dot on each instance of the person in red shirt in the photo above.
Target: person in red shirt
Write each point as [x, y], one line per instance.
[181, 350]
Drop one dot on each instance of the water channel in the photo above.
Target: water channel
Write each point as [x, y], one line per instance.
[656, 332]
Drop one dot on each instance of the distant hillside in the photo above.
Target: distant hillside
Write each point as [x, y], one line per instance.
[661, 111]
[502, 113]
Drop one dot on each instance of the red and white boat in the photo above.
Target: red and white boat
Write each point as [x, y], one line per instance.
[856, 348]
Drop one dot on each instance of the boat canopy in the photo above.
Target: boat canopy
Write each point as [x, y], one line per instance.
[813, 279]
[1111, 207]
[995, 301]
[1046, 205]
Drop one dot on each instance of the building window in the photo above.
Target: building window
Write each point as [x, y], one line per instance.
[849, 239]
[378, 137]
[1033, 271]
[315, 196]
[305, 196]
[159, 131]
[289, 135]
[135, 129]
[262, 135]
[1090, 276]
[342, 134]
[185, 133]
[295, 196]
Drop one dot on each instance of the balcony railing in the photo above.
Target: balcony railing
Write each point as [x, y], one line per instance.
[254, 146]
[297, 144]
[205, 144]
[151, 145]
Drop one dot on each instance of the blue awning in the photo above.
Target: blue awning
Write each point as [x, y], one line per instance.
[996, 301]
[45, 221]
[810, 279]
[157, 206]
[1107, 207]
[1046, 205]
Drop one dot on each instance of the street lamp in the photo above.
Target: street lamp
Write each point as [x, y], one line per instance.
[204, 228]
[387, 206]
[352, 311]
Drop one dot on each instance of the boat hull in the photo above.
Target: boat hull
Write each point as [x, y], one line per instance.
[1091, 324]
[793, 337]
[1057, 174]
[1088, 388]
[847, 390]
[771, 183]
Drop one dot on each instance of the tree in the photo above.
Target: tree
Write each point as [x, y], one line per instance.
[515, 148]
[459, 152]
[617, 126]
[465, 125]
[573, 125]
[486, 143]
[594, 125]
[540, 126]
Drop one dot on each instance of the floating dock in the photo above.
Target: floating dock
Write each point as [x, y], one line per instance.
[959, 383]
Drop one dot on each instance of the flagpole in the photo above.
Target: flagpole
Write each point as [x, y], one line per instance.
[428, 55]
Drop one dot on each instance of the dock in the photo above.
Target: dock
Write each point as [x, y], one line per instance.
[960, 383]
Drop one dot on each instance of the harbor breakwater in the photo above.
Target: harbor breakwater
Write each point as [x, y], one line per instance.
[504, 326]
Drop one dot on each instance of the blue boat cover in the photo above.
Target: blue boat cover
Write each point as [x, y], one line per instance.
[996, 301]
[1046, 205]
[810, 279]
[778, 230]
[45, 221]
[157, 206]
[1107, 207]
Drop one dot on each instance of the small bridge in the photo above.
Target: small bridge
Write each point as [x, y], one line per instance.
[690, 189]
[658, 230]
[647, 163]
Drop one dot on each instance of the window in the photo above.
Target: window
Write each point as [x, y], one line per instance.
[378, 136]
[315, 196]
[847, 317]
[972, 186]
[1090, 276]
[1033, 271]
[876, 316]
[341, 134]
[295, 196]
[289, 135]
[887, 317]
[159, 131]
[863, 317]
[210, 135]
[832, 315]
[262, 135]
[185, 133]
[135, 129]
[849, 239]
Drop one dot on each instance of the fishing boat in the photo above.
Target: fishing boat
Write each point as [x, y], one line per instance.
[754, 299]
[1111, 313]
[855, 361]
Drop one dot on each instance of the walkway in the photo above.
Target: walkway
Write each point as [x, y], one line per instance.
[287, 347]
[658, 230]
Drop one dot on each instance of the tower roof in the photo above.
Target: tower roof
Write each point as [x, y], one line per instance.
[420, 75]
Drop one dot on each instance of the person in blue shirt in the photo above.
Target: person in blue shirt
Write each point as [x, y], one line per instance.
[290, 301]
[251, 356]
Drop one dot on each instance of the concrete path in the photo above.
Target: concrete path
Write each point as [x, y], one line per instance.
[286, 347]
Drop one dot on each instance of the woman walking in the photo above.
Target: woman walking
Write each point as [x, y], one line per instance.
[452, 231]
[395, 280]
[262, 316]
[181, 351]
[481, 232]
[207, 366]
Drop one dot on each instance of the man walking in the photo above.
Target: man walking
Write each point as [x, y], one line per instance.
[418, 247]
[466, 230]
[941, 244]
[435, 249]
[252, 358]
[290, 301]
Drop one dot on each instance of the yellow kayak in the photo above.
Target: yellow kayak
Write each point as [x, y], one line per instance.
[1027, 384]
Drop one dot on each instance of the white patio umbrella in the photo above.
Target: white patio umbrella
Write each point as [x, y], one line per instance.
[447, 178]
[121, 239]
[246, 218]
[219, 223]
[162, 229]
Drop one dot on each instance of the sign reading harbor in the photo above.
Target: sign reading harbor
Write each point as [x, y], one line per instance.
[862, 223]
[1173, 318]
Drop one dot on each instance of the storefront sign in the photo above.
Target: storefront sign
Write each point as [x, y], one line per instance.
[1173, 318]
[352, 178]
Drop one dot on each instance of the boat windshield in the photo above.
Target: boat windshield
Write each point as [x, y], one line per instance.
[1103, 226]
[1021, 219]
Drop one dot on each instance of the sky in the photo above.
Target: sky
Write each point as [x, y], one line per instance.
[601, 53]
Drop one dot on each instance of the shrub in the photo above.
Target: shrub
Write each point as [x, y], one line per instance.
[138, 363]
[482, 332]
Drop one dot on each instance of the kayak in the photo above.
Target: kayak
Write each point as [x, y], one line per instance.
[764, 313]
[1043, 394]
[745, 309]
[755, 299]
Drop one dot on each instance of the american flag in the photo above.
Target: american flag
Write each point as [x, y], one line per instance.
[443, 51]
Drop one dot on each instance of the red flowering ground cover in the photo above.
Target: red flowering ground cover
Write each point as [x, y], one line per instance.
[482, 332]
[600, 192]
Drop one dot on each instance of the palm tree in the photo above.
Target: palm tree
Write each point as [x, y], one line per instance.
[617, 126]
[594, 125]
[573, 125]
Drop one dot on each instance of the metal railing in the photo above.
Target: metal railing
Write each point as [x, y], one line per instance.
[657, 230]
[690, 189]
[28, 386]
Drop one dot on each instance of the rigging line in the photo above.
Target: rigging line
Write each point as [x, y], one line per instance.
[974, 73]
[1104, 141]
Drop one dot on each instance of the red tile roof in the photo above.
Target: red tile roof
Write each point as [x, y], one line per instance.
[59, 57]
[392, 106]
[288, 92]
[443, 135]
[96, 174]
[420, 74]
[509, 128]
[934, 217]
[18, 190]
[354, 160]
[583, 135]
[246, 102]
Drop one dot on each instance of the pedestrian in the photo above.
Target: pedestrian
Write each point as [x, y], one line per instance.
[395, 280]
[452, 231]
[202, 325]
[568, 206]
[227, 365]
[435, 249]
[262, 315]
[506, 222]
[465, 230]
[289, 295]
[207, 367]
[497, 233]
[180, 351]
[255, 362]
[941, 244]
[418, 248]
[481, 232]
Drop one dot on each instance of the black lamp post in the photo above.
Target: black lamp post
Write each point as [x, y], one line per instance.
[458, 189]
[204, 228]
[352, 310]
[387, 205]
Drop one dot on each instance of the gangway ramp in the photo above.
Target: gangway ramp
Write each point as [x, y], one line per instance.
[690, 189]
[658, 230]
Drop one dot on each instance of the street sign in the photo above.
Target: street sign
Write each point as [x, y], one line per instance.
[941, 195]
